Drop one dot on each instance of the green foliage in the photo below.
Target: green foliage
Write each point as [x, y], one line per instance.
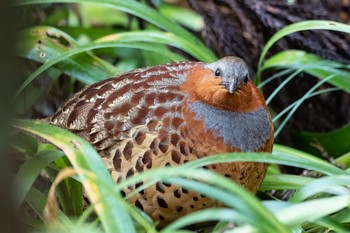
[326, 139]
[295, 62]
[246, 209]
[91, 172]
[302, 26]
[312, 65]
[319, 204]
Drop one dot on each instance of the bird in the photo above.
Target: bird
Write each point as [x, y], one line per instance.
[167, 115]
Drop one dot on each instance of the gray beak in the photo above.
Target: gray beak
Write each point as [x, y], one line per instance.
[231, 86]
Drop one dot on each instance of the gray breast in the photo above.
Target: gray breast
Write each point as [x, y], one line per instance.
[247, 131]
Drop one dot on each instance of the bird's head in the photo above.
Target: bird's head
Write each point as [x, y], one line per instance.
[232, 73]
[225, 84]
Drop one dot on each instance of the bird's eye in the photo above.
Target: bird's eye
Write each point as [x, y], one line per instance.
[246, 79]
[217, 72]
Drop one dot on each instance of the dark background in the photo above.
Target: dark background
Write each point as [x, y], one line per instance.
[9, 78]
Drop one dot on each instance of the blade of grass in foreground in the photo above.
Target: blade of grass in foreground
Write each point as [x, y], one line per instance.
[70, 191]
[203, 216]
[281, 155]
[214, 186]
[305, 212]
[328, 184]
[284, 182]
[332, 225]
[111, 209]
[344, 160]
[253, 211]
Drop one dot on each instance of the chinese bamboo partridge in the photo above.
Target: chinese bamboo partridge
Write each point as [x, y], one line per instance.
[167, 115]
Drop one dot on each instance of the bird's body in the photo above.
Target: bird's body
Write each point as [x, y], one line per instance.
[170, 114]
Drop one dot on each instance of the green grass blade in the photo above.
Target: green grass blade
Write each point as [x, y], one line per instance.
[277, 75]
[344, 159]
[284, 182]
[43, 43]
[331, 225]
[70, 191]
[301, 26]
[244, 203]
[29, 171]
[331, 184]
[36, 200]
[281, 155]
[311, 64]
[342, 216]
[290, 77]
[312, 210]
[205, 216]
[142, 219]
[326, 139]
[311, 162]
[152, 36]
[65, 55]
[280, 114]
[213, 186]
[111, 209]
[144, 12]
[300, 101]
[184, 16]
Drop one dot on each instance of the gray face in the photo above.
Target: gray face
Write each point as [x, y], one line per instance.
[232, 70]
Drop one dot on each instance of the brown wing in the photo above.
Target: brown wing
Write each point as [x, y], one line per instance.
[105, 112]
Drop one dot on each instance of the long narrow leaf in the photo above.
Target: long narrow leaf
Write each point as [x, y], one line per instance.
[111, 209]
[44, 43]
[155, 37]
[293, 215]
[29, 171]
[311, 64]
[300, 101]
[142, 11]
[301, 26]
[36, 200]
[69, 53]
[213, 186]
[205, 216]
[331, 184]
[284, 182]
[281, 155]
